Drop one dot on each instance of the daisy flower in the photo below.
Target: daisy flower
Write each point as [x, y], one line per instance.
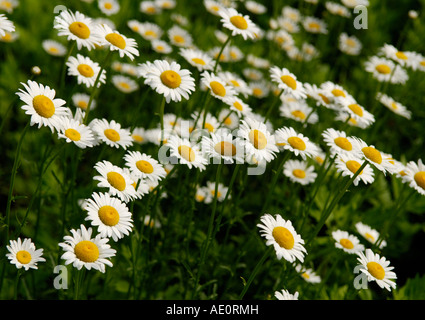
[117, 41]
[54, 48]
[201, 194]
[291, 13]
[337, 9]
[347, 242]
[229, 120]
[385, 70]
[149, 31]
[374, 157]
[308, 274]
[186, 152]
[288, 25]
[356, 111]
[314, 25]
[77, 27]
[212, 6]
[415, 176]
[109, 215]
[237, 105]
[149, 7]
[75, 132]
[139, 135]
[150, 222]
[112, 134]
[81, 100]
[161, 46]
[391, 52]
[287, 81]
[299, 172]
[41, 105]
[370, 234]
[109, 7]
[255, 7]
[179, 37]
[9, 5]
[166, 4]
[237, 23]
[84, 251]
[210, 192]
[348, 165]
[259, 89]
[377, 269]
[124, 84]
[5, 25]
[23, 254]
[221, 146]
[170, 80]
[350, 45]
[115, 179]
[393, 105]
[85, 70]
[297, 143]
[218, 87]
[197, 58]
[282, 236]
[257, 139]
[299, 111]
[143, 166]
[232, 79]
[339, 143]
[285, 295]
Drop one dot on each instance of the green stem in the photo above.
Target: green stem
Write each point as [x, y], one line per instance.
[274, 181]
[272, 106]
[328, 210]
[79, 283]
[12, 182]
[210, 231]
[18, 277]
[96, 82]
[255, 271]
[161, 116]
[220, 53]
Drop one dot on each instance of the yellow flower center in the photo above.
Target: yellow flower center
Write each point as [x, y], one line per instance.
[227, 121]
[209, 127]
[116, 180]
[187, 153]
[82, 104]
[108, 6]
[144, 166]
[178, 39]
[85, 70]
[108, 215]
[401, 55]
[376, 270]
[238, 106]
[239, 22]
[218, 88]
[112, 135]
[350, 43]
[305, 275]
[258, 139]
[369, 237]
[235, 83]
[137, 138]
[422, 63]
[297, 143]
[299, 173]
[199, 61]
[171, 79]
[53, 50]
[356, 109]
[79, 29]
[298, 114]
[383, 68]
[420, 179]
[353, 166]
[372, 154]
[394, 105]
[314, 26]
[283, 237]
[225, 148]
[150, 33]
[289, 81]
[346, 243]
[257, 92]
[116, 39]
[343, 143]
[324, 98]
[43, 106]
[23, 257]
[86, 251]
[72, 134]
[338, 93]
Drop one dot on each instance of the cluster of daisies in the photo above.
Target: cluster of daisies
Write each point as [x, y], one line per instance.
[225, 129]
